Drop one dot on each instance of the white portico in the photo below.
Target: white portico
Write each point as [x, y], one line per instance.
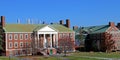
[46, 37]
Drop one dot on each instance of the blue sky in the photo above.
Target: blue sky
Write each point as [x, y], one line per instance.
[80, 12]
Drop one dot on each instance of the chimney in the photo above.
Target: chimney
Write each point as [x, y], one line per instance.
[111, 24]
[2, 21]
[43, 22]
[118, 24]
[18, 21]
[28, 21]
[51, 23]
[61, 22]
[68, 23]
[75, 27]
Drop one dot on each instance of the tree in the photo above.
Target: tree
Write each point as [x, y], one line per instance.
[66, 44]
[27, 48]
[109, 42]
[1, 43]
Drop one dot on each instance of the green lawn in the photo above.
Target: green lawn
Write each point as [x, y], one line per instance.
[6, 58]
[39, 57]
[80, 58]
[73, 56]
[98, 54]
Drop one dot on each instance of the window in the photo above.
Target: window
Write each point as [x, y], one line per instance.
[10, 36]
[26, 36]
[64, 35]
[15, 44]
[31, 36]
[60, 35]
[21, 36]
[21, 44]
[10, 44]
[16, 36]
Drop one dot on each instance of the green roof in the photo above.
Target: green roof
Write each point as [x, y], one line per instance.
[61, 28]
[95, 29]
[34, 27]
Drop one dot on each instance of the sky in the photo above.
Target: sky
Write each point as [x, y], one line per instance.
[80, 12]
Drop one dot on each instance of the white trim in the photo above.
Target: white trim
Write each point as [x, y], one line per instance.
[17, 49]
[47, 32]
[18, 32]
[66, 32]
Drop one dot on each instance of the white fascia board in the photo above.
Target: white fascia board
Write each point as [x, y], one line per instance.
[18, 32]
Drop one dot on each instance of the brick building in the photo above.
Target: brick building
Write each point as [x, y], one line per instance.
[21, 39]
[96, 37]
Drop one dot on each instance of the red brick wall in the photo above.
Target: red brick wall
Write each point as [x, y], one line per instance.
[18, 40]
[70, 37]
[115, 36]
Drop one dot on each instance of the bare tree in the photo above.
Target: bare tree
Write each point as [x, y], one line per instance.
[65, 44]
[27, 48]
[109, 42]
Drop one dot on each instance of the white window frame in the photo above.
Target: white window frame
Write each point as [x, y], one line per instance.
[21, 35]
[15, 44]
[26, 37]
[21, 43]
[71, 35]
[10, 35]
[60, 35]
[31, 36]
[10, 44]
[15, 36]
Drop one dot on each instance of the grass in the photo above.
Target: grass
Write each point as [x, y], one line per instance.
[80, 58]
[39, 57]
[6, 58]
[73, 56]
[98, 54]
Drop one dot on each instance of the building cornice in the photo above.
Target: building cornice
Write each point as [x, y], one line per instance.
[18, 32]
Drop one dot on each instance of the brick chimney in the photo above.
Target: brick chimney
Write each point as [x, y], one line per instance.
[68, 23]
[2, 21]
[111, 24]
[61, 22]
[75, 27]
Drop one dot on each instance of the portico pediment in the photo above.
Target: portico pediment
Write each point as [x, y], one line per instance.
[47, 29]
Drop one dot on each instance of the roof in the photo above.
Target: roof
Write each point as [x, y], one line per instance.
[95, 29]
[34, 27]
[61, 28]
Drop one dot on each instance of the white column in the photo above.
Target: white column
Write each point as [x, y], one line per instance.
[54, 40]
[44, 41]
[50, 40]
[38, 40]
[57, 40]
[35, 41]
